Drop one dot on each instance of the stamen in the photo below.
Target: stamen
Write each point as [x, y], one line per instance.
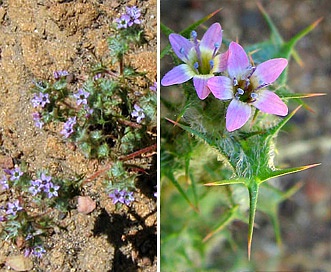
[235, 81]
[240, 91]
[216, 47]
[252, 68]
[194, 36]
[211, 64]
[196, 66]
[183, 52]
[247, 82]
[254, 95]
[261, 86]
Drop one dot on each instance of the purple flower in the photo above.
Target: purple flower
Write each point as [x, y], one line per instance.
[117, 196]
[4, 183]
[15, 174]
[37, 120]
[58, 74]
[134, 14]
[51, 189]
[153, 88]
[97, 76]
[200, 59]
[13, 208]
[36, 187]
[44, 180]
[128, 197]
[138, 112]
[68, 127]
[121, 196]
[81, 97]
[38, 251]
[40, 99]
[246, 87]
[123, 21]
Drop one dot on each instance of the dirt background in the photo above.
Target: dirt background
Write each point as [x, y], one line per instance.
[305, 219]
[38, 37]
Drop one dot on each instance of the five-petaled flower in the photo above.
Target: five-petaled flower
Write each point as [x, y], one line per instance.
[68, 127]
[14, 207]
[40, 99]
[138, 112]
[81, 97]
[200, 59]
[245, 85]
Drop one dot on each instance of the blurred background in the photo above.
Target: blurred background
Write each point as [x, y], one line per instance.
[305, 218]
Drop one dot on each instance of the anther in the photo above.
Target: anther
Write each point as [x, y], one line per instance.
[240, 91]
[235, 82]
[211, 64]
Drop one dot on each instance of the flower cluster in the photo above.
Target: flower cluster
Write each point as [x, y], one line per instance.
[130, 18]
[44, 184]
[122, 196]
[240, 81]
[40, 100]
[59, 74]
[68, 127]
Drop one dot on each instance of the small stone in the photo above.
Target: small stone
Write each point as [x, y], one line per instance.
[19, 263]
[85, 205]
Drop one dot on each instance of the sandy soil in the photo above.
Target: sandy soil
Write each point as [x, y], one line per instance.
[37, 38]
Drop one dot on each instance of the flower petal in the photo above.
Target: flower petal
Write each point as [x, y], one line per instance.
[221, 87]
[181, 46]
[177, 75]
[200, 85]
[237, 115]
[267, 72]
[212, 36]
[238, 61]
[220, 62]
[269, 102]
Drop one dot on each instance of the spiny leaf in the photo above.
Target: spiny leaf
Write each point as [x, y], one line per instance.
[276, 37]
[226, 219]
[227, 182]
[253, 190]
[174, 181]
[283, 172]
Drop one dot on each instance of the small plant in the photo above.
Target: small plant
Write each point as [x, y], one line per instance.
[26, 219]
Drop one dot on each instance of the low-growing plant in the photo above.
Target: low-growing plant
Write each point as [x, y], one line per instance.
[105, 115]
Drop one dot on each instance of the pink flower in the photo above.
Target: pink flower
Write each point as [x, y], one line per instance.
[245, 85]
[200, 59]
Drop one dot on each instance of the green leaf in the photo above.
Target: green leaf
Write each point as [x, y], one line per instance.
[253, 190]
[225, 220]
[169, 174]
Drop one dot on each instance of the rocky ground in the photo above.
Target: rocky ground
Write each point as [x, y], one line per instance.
[37, 38]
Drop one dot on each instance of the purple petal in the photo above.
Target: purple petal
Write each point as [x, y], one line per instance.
[181, 46]
[200, 85]
[212, 36]
[269, 102]
[220, 62]
[237, 115]
[268, 71]
[237, 61]
[221, 87]
[177, 75]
